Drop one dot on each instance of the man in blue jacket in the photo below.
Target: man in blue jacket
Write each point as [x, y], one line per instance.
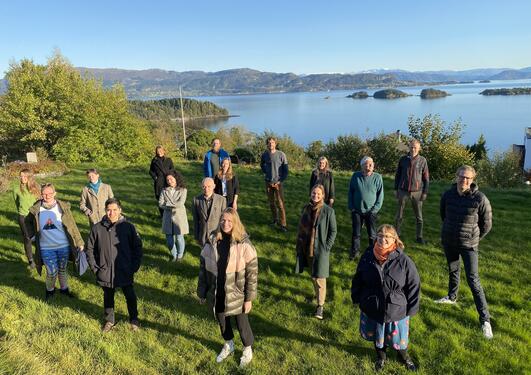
[213, 158]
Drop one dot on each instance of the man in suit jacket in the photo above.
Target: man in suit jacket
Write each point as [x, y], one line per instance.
[206, 210]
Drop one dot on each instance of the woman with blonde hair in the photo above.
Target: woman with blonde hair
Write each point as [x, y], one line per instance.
[322, 175]
[25, 193]
[386, 286]
[227, 184]
[228, 276]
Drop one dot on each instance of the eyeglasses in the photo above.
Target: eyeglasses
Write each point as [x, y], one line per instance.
[461, 177]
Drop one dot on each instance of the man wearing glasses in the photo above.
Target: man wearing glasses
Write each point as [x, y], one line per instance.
[467, 218]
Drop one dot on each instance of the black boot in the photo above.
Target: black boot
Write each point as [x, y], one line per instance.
[49, 294]
[67, 292]
[406, 360]
[381, 356]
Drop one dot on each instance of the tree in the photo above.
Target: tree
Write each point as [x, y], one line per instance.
[479, 149]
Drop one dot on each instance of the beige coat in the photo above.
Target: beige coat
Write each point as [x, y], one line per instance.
[92, 204]
[174, 219]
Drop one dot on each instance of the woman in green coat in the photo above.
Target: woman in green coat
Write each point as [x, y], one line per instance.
[315, 238]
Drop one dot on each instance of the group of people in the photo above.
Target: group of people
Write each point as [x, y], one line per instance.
[386, 285]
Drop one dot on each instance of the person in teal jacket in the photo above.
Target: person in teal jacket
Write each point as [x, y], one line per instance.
[25, 193]
[365, 198]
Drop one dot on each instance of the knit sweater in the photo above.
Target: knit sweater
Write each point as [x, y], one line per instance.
[365, 193]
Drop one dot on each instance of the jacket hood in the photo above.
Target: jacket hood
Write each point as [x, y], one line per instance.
[34, 210]
[473, 188]
[107, 223]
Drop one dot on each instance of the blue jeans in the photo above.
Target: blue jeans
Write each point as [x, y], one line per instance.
[55, 261]
[176, 245]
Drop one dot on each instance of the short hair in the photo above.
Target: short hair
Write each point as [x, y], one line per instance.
[206, 179]
[47, 185]
[414, 140]
[213, 139]
[388, 228]
[465, 167]
[271, 139]
[92, 170]
[364, 160]
[115, 201]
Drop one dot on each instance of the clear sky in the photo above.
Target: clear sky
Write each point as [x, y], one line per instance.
[279, 36]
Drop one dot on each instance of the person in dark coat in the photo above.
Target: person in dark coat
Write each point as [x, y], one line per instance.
[322, 175]
[467, 218]
[114, 252]
[206, 211]
[227, 184]
[315, 238]
[386, 286]
[161, 166]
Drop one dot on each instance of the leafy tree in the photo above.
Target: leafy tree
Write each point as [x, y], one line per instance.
[479, 149]
[346, 152]
[501, 171]
[314, 151]
[385, 151]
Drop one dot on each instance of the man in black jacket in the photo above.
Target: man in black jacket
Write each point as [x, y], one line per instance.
[114, 252]
[411, 183]
[467, 218]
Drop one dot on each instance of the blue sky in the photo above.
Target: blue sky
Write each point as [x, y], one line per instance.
[279, 36]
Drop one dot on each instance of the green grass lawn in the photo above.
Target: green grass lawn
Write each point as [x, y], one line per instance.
[180, 336]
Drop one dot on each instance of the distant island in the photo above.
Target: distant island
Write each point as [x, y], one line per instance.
[390, 94]
[170, 109]
[513, 91]
[484, 81]
[433, 93]
[358, 95]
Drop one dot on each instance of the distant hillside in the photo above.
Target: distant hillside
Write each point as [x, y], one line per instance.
[170, 109]
[511, 74]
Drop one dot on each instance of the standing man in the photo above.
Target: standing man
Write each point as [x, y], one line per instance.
[93, 197]
[206, 210]
[365, 198]
[467, 218]
[56, 234]
[274, 165]
[412, 179]
[213, 158]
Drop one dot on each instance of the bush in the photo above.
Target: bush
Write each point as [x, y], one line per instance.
[386, 151]
[12, 170]
[501, 171]
[346, 152]
[295, 154]
[198, 143]
[314, 151]
[244, 155]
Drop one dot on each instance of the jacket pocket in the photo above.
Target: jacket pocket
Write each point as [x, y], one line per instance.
[370, 305]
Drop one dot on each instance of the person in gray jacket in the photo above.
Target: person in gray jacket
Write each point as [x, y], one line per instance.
[174, 220]
[93, 197]
[206, 210]
[467, 218]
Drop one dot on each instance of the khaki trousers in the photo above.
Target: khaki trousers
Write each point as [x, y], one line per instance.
[319, 285]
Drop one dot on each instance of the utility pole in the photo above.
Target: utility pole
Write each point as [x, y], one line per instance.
[184, 127]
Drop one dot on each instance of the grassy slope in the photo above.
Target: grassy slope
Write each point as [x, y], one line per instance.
[180, 336]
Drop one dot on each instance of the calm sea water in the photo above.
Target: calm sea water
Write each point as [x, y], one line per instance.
[309, 116]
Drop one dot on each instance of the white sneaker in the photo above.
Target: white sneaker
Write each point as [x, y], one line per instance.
[446, 300]
[487, 330]
[247, 356]
[228, 349]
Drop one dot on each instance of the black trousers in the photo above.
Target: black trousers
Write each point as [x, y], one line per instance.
[470, 260]
[26, 239]
[242, 322]
[108, 303]
[358, 219]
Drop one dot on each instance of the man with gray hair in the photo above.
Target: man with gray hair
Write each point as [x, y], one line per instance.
[206, 210]
[365, 198]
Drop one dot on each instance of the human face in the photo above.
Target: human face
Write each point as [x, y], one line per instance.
[48, 195]
[216, 145]
[322, 164]
[368, 167]
[385, 239]
[160, 152]
[24, 178]
[225, 165]
[226, 223]
[171, 181]
[464, 180]
[317, 195]
[93, 177]
[113, 212]
[208, 188]
[272, 145]
[414, 149]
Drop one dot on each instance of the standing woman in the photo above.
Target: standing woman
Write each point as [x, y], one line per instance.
[322, 175]
[174, 219]
[316, 236]
[387, 288]
[114, 252]
[161, 166]
[93, 197]
[25, 194]
[227, 184]
[228, 276]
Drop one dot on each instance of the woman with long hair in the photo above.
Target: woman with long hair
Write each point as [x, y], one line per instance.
[25, 193]
[228, 276]
[387, 288]
[322, 175]
[227, 184]
[160, 167]
[174, 219]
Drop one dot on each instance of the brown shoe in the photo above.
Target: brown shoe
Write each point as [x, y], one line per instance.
[107, 327]
[135, 325]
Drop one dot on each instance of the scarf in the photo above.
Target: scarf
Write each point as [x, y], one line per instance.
[307, 228]
[95, 187]
[382, 253]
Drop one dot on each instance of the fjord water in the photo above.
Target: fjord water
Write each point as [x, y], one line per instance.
[309, 116]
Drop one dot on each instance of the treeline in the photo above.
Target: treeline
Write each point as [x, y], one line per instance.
[170, 109]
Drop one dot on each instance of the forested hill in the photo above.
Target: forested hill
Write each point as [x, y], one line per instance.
[169, 109]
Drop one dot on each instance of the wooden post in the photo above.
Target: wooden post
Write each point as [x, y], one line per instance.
[182, 118]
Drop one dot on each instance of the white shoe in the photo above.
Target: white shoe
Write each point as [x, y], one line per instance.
[487, 330]
[446, 300]
[228, 349]
[247, 356]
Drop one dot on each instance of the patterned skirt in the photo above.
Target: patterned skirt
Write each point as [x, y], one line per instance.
[394, 334]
